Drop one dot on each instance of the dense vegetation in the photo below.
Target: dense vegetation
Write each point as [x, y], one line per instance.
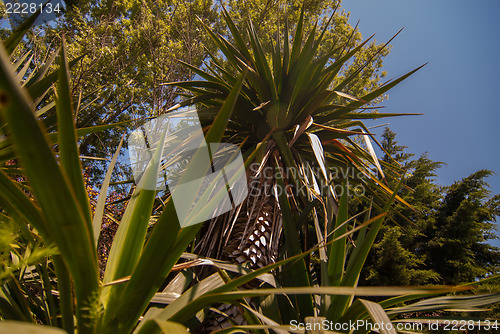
[290, 85]
[447, 239]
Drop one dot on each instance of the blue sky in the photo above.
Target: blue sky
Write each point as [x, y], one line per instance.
[457, 90]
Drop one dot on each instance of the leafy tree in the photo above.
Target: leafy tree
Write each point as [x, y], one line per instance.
[132, 48]
[393, 151]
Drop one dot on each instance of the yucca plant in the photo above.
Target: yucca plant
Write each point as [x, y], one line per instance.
[291, 105]
[43, 195]
[313, 146]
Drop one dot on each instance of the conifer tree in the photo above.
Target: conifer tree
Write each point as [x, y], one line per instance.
[445, 237]
[457, 239]
[396, 258]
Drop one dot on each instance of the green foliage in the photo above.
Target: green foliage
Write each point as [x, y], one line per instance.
[394, 265]
[19, 252]
[290, 101]
[35, 207]
[267, 108]
[396, 260]
[445, 238]
[458, 239]
[131, 49]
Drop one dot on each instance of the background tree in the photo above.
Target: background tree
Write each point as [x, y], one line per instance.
[131, 48]
[445, 239]
[395, 259]
[458, 238]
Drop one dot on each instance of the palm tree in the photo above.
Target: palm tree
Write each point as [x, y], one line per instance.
[293, 109]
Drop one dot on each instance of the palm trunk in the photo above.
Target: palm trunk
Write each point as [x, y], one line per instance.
[248, 235]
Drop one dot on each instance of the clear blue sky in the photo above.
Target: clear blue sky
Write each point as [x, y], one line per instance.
[456, 91]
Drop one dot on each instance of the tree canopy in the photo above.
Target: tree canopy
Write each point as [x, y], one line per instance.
[131, 48]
